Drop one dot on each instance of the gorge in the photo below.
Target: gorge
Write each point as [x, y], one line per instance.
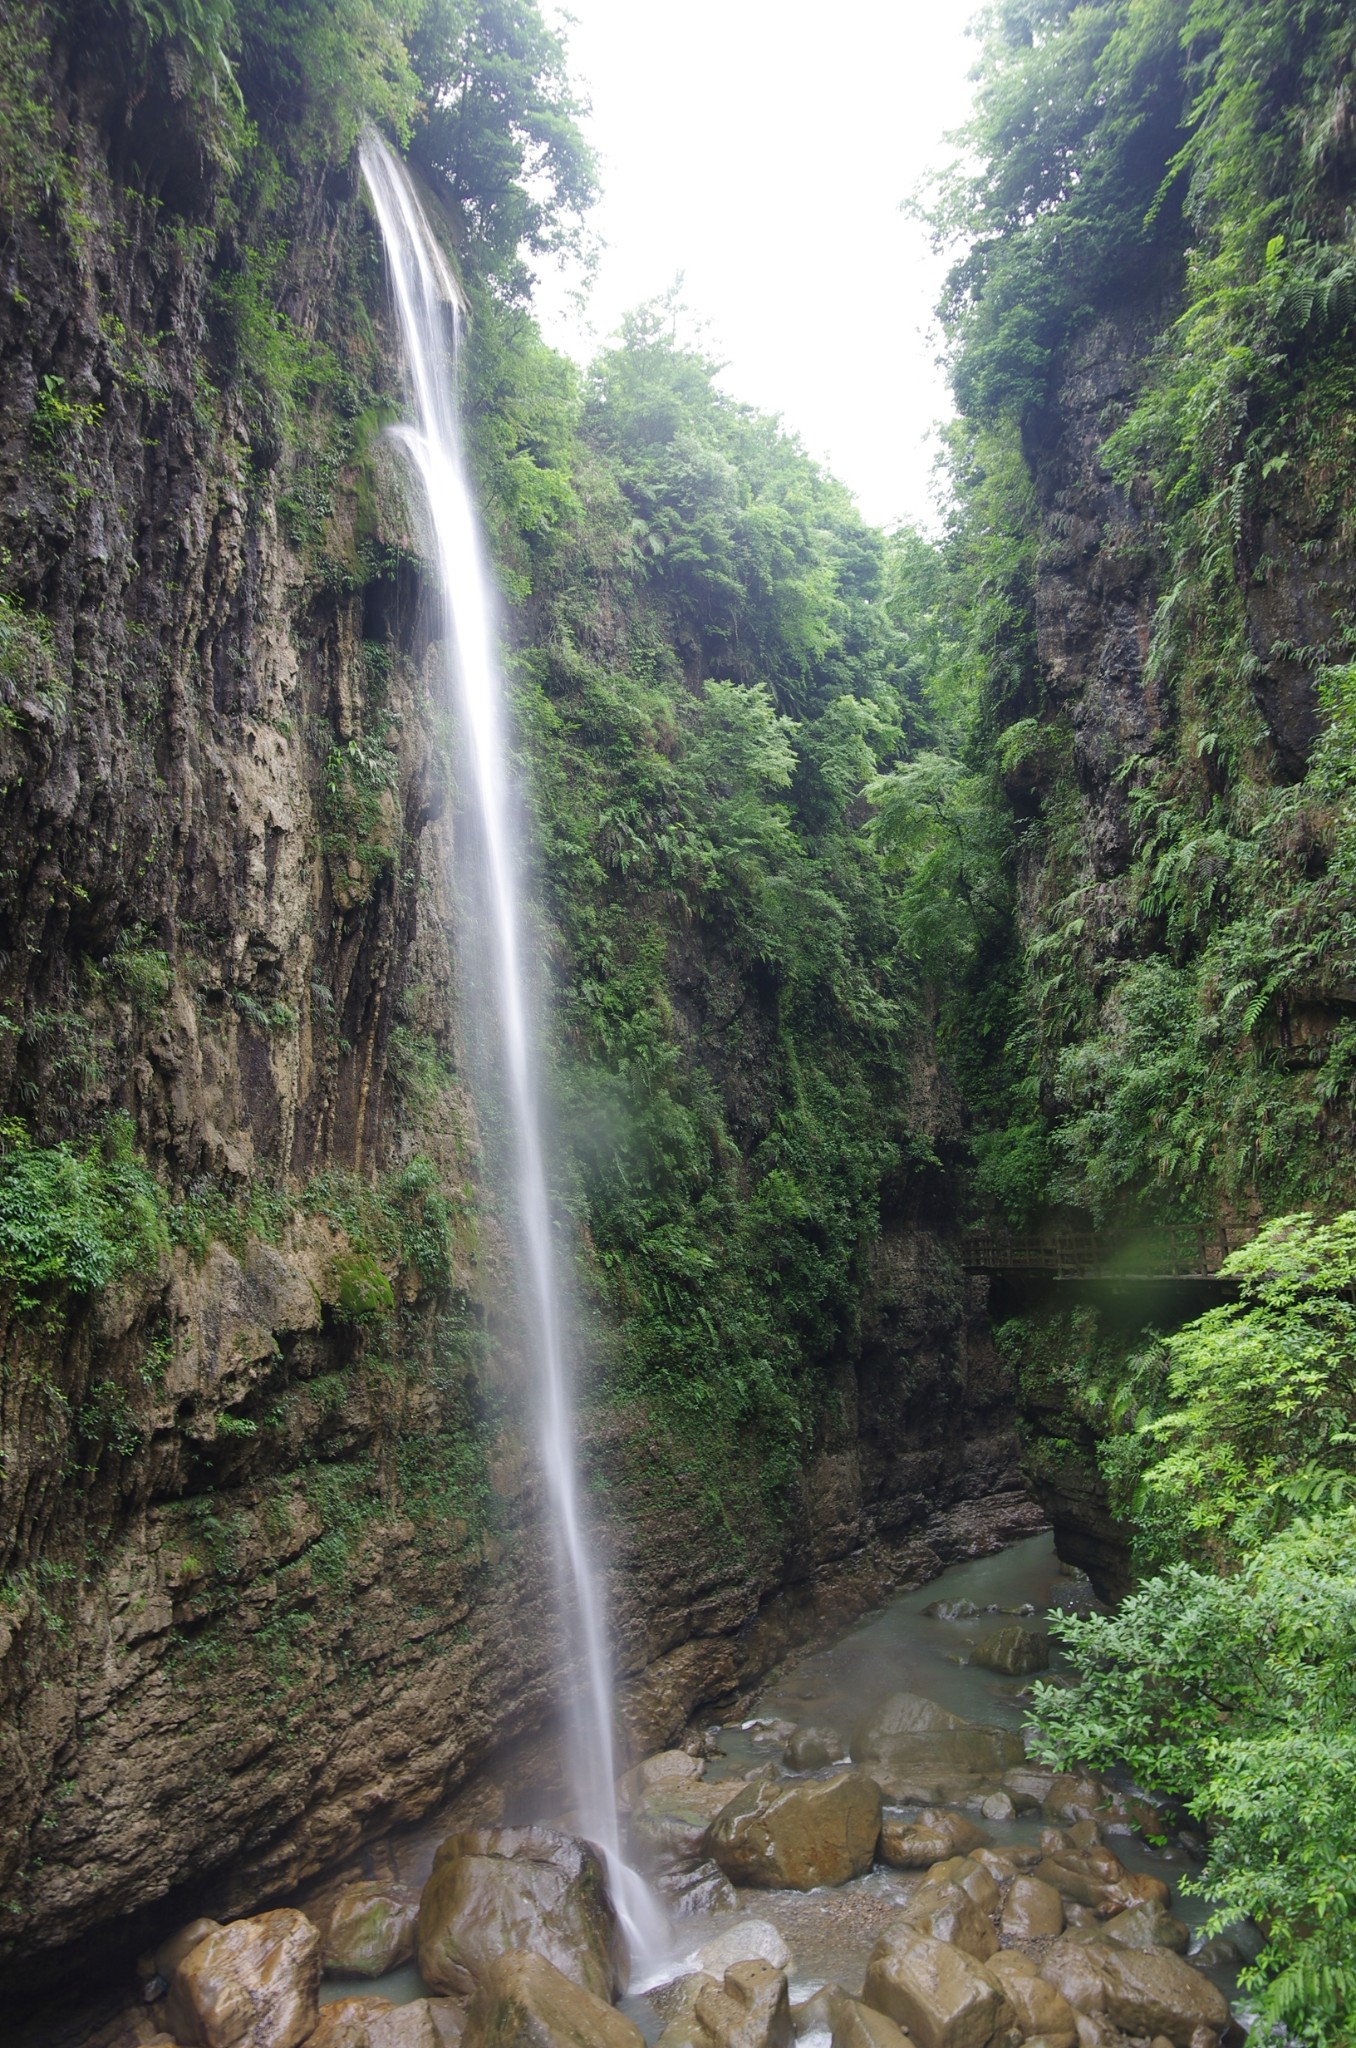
[887, 888]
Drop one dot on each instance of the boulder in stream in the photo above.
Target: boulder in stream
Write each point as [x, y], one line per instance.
[664, 1771]
[916, 1750]
[1012, 1651]
[700, 1890]
[947, 1913]
[800, 1833]
[935, 1835]
[526, 2002]
[811, 1749]
[972, 1878]
[252, 1984]
[1042, 2012]
[1149, 1925]
[1032, 1911]
[668, 1824]
[369, 1930]
[1142, 1992]
[858, 2026]
[749, 1940]
[941, 1997]
[493, 1890]
[376, 2023]
[750, 2009]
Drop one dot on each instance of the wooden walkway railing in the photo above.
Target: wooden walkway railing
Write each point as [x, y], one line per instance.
[1140, 1254]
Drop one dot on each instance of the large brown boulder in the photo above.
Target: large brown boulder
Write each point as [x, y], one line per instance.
[799, 1833]
[915, 1750]
[1149, 1925]
[948, 1914]
[668, 1822]
[1043, 2013]
[369, 1930]
[1139, 1991]
[1032, 1910]
[662, 1772]
[813, 1749]
[526, 2002]
[1013, 1652]
[498, 1889]
[972, 1878]
[940, 1996]
[857, 2026]
[375, 2023]
[252, 1984]
[750, 2009]
[935, 1835]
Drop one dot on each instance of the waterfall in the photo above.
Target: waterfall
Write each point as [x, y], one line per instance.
[428, 306]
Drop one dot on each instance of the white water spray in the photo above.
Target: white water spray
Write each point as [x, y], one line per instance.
[428, 305]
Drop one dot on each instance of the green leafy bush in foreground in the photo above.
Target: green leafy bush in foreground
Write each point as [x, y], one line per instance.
[1233, 1689]
[1237, 1696]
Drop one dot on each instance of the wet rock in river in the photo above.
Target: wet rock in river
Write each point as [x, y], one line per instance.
[1012, 1652]
[161, 1962]
[951, 1610]
[972, 1878]
[369, 1930]
[678, 2004]
[252, 1984]
[1032, 1911]
[749, 1940]
[751, 2009]
[999, 1806]
[664, 1772]
[798, 1834]
[859, 2027]
[700, 1890]
[935, 1835]
[1041, 2010]
[946, 1913]
[1149, 1925]
[811, 1749]
[915, 1750]
[669, 1824]
[941, 1997]
[524, 2001]
[499, 1889]
[1142, 1992]
[376, 2023]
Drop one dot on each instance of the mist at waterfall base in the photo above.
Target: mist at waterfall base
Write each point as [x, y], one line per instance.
[427, 303]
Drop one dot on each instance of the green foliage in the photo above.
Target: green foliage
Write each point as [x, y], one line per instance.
[1236, 1695]
[716, 688]
[73, 1222]
[358, 808]
[362, 1291]
[404, 1219]
[501, 126]
[1231, 1689]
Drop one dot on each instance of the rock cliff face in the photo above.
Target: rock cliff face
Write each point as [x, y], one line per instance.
[272, 1569]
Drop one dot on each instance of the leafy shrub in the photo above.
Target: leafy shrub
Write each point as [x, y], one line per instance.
[72, 1222]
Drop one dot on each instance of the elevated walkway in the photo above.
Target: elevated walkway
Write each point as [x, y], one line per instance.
[1178, 1253]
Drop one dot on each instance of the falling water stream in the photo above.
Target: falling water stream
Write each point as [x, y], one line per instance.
[428, 306]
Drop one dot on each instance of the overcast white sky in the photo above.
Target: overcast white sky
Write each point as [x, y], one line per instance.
[762, 147]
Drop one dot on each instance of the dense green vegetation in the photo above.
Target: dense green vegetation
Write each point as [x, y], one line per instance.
[1154, 935]
[713, 684]
[1226, 1680]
